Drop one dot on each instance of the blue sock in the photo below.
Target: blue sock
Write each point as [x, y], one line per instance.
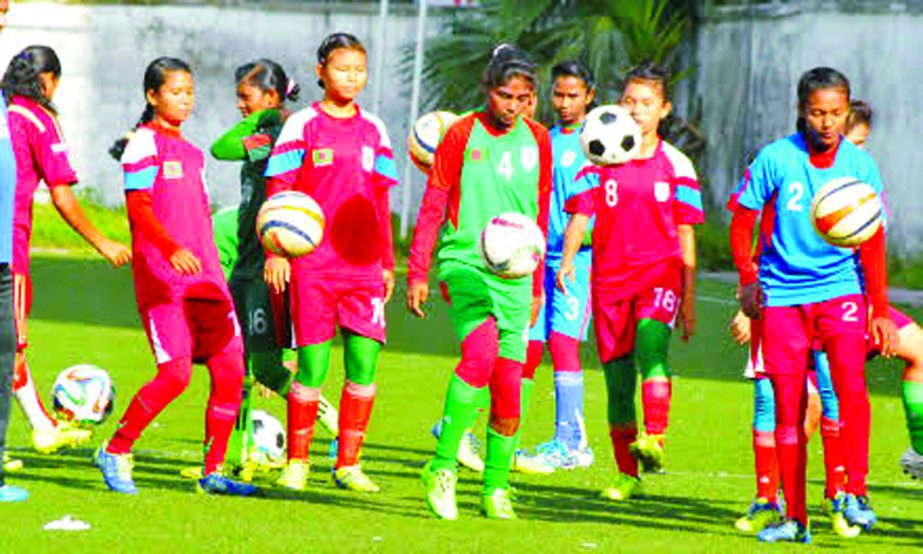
[568, 392]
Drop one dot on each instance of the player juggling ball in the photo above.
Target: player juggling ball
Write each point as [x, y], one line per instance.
[341, 156]
[490, 162]
[183, 298]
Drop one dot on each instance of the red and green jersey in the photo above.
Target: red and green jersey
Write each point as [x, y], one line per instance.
[480, 172]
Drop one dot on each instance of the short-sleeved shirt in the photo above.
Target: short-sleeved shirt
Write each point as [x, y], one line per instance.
[7, 187]
[173, 171]
[568, 160]
[638, 206]
[343, 164]
[41, 155]
[796, 265]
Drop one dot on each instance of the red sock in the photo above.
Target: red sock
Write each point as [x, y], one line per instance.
[833, 457]
[791, 443]
[533, 358]
[227, 376]
[767, 465]
[655, 398]
[622, 436]
[171, 380]
[355, 409]
[847, 368]
[302, 413]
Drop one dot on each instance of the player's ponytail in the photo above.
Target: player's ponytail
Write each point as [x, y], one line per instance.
[815, 79]
[23, 75]
[154, 77]
[267, 75]
[335, 41]
[506, 62]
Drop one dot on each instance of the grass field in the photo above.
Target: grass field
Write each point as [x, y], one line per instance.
[85, 312]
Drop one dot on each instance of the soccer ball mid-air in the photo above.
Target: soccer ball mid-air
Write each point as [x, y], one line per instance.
[83, 394]
[512, 245]
[425, 136]
[290, 224]
[846, 212]
[610, 136]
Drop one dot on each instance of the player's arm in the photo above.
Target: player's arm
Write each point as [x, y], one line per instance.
[686, 234]
[688, 211]
[444, 178]
[746, 201]
[873, 259]
[545, 183]
[582, 207]
[242, 138]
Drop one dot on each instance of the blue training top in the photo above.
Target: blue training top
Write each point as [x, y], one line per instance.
[796, 265]
[7, 187]
[568, 158]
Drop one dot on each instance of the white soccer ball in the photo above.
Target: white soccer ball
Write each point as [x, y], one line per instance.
[268, 436]
[512, 245]
[846, 212]
[610, 136]
[83, 394]
[425, 136]
[290, 224]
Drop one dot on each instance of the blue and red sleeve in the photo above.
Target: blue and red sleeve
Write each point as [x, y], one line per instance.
[872, 258]
[545, 183]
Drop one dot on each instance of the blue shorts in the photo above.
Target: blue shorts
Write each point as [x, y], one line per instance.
[570, 314]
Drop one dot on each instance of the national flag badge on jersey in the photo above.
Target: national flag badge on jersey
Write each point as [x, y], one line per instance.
[173, 170]
[322, 156]
[475, 155]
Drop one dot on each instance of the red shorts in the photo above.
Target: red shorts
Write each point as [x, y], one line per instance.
[900, 320]
[318, 306]
[790, 332]
[196, 329]
[616, 322]
[22, 307]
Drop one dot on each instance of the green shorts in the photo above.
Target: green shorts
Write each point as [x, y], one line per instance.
[475, 295]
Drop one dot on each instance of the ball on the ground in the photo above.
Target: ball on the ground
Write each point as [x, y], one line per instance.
[846, 212]
[269, 435]
[512, 245]
[425, 136]
[83, 394]
[610, 136]
[290, 224]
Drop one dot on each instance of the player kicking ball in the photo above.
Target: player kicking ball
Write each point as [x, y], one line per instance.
[490, 162]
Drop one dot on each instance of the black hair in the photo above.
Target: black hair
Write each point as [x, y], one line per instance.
[815, 79]
[506, 62]
[267, 75]
[154, 77]
[335, 41]
[860, 112]
[22, 74]
[574, 68]
[650, 71]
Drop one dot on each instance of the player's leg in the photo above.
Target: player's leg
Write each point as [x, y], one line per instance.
[241, 440]
[910, 350]
[8, 493]
[765, 509]
[502, 432]
[785, 351]
[170, 338]
[523, 461]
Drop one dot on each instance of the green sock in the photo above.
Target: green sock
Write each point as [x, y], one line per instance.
[525, 396]
[651, 347]
[313, 364]
[360, 357]
[912, 394]
[621, 383]
[461, 407]
[267, 368]
[500, 451]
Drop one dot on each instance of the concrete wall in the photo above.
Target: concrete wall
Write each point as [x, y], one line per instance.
[746, 77]
[104, 50]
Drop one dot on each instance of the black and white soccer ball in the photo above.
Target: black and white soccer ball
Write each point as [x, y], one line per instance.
[610, 136]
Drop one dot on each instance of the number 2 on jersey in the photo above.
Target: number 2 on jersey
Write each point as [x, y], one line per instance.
[795, 191]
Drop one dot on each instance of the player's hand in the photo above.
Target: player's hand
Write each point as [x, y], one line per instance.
[740, 328]
[687, 318]
[417, 294]
[388, 276]
[751, 300]
[884, 334]
[536, 308]
[185, 262]
[567, 272]
[117, 253]
[277, 273]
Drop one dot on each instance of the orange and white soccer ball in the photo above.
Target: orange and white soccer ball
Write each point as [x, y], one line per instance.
[290, 224]
[425, 136]
[512, 245]
[846, 212]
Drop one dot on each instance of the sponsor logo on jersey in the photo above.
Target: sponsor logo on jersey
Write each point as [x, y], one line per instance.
[322, 156]
[368, 158]
[529, 157]
[662, 191]
[173, 170]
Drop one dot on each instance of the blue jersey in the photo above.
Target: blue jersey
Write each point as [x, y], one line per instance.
[796, 265]
[7, 187]
[568, 158]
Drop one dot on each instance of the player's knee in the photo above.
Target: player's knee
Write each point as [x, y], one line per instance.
[174, 376]
[764, 406]
[565, 352]
[506, 426]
